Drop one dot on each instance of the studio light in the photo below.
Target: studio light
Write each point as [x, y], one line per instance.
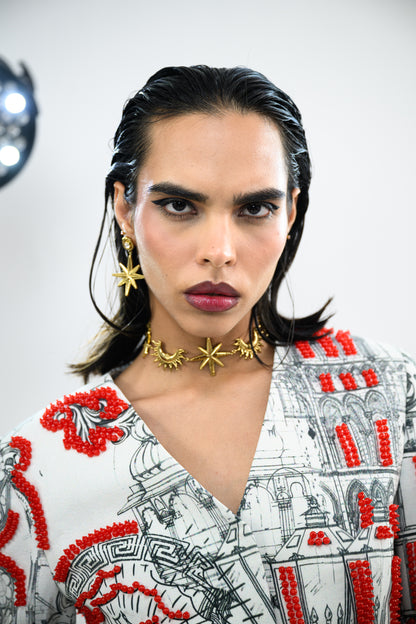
[17, 120]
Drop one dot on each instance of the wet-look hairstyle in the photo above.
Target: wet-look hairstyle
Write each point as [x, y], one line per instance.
[171, 92]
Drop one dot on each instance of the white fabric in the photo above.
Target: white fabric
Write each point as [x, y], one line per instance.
[199, 556]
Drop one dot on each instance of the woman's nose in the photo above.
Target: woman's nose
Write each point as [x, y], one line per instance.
[217, 243]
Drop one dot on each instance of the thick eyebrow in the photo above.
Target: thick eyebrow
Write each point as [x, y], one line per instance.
[168, 188]
[174, 189]
[259, 196]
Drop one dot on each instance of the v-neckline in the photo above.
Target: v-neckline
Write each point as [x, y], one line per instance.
[222, 506]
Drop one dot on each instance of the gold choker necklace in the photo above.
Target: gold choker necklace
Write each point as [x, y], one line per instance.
[209, 355]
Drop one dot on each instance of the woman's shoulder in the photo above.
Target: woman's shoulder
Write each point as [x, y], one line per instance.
[340, 360]
[339, 345]
[339, 370]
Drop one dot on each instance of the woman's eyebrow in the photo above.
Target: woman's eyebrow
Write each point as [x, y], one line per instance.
[169, 188]
[259, 196]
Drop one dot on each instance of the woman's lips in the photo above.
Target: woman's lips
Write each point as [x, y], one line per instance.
[210, 297]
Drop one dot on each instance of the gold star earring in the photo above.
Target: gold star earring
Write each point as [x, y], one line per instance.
[128, 273]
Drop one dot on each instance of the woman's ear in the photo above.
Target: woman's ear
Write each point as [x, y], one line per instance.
[123, 211]
[292, 213]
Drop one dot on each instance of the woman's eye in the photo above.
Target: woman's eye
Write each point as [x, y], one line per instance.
[257, 210]
[175, 206]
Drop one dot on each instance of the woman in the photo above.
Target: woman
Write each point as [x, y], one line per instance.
[230, 465]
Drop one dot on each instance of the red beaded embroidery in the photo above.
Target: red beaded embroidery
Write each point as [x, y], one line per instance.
[115, 588]
[12, 520]
[363, 591]
[366, 510]
[305, 349]
[317, 538]
[383, 435]
[348, 445]
[327, 384]
[100, 576]
[348, 381]
[105, 401]
[19, 577]
[29, 491]
[327, 343]
[384, 532]
[92, 617]
[118, 529]
[370, 377]
[394, 519]
[25, 448]
[411, 565]
[396, 590]
[9, 528]
[346, 342]
[290, 594]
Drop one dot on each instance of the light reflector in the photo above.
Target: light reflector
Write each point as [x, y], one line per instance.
[18, 113]
[9, 155]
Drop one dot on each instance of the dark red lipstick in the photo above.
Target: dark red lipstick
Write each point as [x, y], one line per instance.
[210, 297]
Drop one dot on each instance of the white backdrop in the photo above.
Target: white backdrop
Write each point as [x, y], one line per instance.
[348, 64]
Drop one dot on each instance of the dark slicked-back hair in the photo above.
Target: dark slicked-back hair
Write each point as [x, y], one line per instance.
[171, 92]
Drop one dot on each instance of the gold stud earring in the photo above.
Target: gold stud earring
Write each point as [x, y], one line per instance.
[128, 273]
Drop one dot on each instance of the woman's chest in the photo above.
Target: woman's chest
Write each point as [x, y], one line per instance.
[214, 439]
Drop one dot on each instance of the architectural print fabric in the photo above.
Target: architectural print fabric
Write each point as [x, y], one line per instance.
[96, 517]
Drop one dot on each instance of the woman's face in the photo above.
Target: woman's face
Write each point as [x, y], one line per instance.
[210, 221]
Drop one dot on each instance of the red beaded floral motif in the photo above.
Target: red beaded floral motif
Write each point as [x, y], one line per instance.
[383, 435]
[346, 342]
[317, 538]
[366, 510]
[411, 565]
[363, 591]
[102, 404]
[95, 616]
[118, 529]
[394, 519]
[289, 587]
[348, 445]
[396, 590]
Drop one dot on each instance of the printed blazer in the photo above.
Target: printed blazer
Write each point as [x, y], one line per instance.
[97, 518]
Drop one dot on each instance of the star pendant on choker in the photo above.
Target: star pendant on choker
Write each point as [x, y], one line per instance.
[209, 355]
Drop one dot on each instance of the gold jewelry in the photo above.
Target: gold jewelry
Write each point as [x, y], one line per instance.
[128, 274]
[209, 355]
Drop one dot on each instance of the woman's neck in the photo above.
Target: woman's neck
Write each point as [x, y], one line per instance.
[201, 362]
